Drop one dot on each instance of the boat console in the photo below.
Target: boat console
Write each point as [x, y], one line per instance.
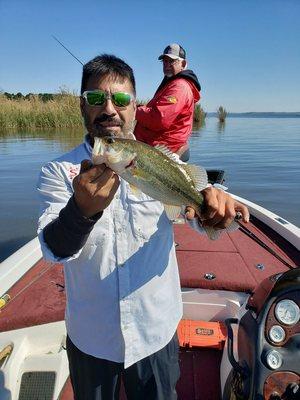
[267, 343]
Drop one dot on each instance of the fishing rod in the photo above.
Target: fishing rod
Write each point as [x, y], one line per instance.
[250, 234]
[55, 38]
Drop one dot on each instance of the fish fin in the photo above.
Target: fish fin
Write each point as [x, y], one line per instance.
[194, 172]
[130, 135]
[214, 234]
[173, 156]
[138, 173]
[197, 174]
[234, 226]
[172, 211]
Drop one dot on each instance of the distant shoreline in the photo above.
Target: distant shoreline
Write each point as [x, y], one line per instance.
[61, 110]
[259, 115]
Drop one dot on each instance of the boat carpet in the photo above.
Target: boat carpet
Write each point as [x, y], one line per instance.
[39, 297]
[237, 262]
[199, 376]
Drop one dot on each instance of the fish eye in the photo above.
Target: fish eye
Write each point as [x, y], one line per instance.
[110, 140]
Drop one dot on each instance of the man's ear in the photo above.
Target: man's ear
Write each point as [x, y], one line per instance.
[134, 106]
[82, 103]
[184, 64]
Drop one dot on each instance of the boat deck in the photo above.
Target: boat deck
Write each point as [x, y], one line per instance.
[236, 261]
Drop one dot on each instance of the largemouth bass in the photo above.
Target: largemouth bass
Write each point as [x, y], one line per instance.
[155, 171]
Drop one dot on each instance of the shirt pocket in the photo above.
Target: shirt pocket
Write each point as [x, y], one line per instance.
[147, 216]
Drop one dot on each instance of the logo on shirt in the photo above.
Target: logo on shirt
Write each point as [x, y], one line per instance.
[172, 99]
[73, 171]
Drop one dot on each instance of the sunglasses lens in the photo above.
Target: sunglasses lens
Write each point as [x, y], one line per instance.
[121, 99]
[95, 98]
[98, 98]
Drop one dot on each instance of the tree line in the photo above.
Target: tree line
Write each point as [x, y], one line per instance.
[19, 96]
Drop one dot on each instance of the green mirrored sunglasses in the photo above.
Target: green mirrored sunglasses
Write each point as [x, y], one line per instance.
[99, 97]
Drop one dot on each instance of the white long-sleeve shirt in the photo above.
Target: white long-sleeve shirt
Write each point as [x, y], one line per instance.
[122, 287]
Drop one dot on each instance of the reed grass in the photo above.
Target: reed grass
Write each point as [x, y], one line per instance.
[34, 113]
[63, 111]
[199, 114]
[222, 114]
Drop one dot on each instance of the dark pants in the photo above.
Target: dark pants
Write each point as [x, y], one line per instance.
[152, 378]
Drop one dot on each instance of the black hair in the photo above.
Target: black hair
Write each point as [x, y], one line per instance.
[107, 64]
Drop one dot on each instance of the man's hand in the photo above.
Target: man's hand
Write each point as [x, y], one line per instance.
[94, 187]
[220, 209]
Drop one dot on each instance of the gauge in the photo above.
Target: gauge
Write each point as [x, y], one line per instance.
[274, 359]
[277, 334]
[287, 312]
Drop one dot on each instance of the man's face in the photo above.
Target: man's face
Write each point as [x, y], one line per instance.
[108, 119]
[172, 67]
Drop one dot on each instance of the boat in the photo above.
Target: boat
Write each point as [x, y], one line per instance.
[240, 332]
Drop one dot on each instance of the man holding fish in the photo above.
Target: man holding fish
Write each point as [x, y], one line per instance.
[110, 226]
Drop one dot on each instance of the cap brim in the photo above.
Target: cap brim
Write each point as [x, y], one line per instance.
[170, 56]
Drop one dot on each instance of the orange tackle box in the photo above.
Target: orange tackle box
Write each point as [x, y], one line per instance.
[201, 334]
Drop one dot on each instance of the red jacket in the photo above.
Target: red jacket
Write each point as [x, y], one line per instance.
[168, 117]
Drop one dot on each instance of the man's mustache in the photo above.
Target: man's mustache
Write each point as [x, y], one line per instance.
[107, 118]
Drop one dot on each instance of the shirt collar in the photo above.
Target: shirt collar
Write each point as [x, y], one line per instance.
[87, 144]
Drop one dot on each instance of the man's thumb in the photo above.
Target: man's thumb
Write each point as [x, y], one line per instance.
[85, 165]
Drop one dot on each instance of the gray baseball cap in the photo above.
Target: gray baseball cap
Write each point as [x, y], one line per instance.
[174, 51]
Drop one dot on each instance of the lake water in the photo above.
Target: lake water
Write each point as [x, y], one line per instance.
[261, 157]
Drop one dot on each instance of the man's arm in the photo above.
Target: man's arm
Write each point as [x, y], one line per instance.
[166, 107]
[68, 233]
[221, 209]
[94, 188]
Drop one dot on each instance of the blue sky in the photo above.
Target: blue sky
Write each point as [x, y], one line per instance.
[246, 53]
